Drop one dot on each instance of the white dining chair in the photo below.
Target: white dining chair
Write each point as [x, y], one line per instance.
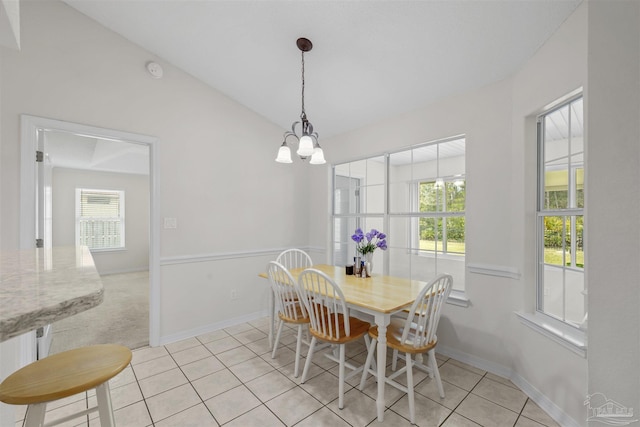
[290, 259]
[329, 323]
[413, 336]
[294, 258]
[288, 305]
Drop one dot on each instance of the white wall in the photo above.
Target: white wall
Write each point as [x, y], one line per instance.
[558, 68]
[209, 254]
[135, 257]
[1, 162]
[613, 133]
[499, 214]
[234, 205]
[8, 350]
[10, 23]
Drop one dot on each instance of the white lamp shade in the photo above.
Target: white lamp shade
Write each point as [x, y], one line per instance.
[305, 148]
[318, 157]
[284, 155]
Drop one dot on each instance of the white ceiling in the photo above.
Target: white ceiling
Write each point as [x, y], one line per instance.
[370, 59]
[67, 150]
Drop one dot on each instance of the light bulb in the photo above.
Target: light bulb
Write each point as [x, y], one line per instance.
[318, 157]
[284, 154]
[305, 149]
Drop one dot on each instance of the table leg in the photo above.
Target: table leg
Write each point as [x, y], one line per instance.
[382, 320]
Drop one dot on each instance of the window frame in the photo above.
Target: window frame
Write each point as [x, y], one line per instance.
[365, 219]
[571, 212]
[443, 214]
[121, 218]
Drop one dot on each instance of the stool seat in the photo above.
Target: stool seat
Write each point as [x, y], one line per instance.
[65, 374]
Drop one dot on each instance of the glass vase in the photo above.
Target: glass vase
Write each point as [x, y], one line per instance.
[369, 263]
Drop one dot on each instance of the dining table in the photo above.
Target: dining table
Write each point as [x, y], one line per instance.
[379, 296]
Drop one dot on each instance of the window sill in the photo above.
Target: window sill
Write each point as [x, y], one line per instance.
[567, 336]
[108, 250]
[440, 255]
[458, 298]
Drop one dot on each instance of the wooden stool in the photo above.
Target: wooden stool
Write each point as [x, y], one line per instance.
[65, 374]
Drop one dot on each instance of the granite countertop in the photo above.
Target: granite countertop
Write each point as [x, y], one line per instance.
[42, 286]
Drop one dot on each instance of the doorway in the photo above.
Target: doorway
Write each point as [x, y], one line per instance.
[83, 150]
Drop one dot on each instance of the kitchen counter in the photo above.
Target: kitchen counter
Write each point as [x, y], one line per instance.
[42, 286]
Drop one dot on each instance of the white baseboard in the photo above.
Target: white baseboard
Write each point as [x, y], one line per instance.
[212, 327]
[545, 403]
[533, 393]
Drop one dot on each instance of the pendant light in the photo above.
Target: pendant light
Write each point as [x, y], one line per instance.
[307, 141]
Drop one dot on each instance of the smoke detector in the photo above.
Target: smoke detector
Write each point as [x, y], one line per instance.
[154, 69]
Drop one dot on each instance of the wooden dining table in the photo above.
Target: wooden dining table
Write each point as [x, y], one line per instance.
[379, 296]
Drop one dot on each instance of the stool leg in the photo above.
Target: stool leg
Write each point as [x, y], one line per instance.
[105, 408]
[35, 415]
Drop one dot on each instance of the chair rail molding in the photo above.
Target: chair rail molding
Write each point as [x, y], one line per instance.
[494, 270]
[219, 256]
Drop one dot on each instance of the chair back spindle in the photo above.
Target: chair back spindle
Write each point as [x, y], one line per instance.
[284, 290]
[294, 258]
[325, 304]
[422, 322]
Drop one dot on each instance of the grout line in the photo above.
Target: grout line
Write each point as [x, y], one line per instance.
[297, 386]
[144, 400]
[468, 392]
[242, 383]
[521, 409]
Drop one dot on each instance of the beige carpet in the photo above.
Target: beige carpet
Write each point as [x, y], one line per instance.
[122, 318]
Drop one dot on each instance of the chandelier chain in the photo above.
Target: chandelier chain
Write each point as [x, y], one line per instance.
[303, 115]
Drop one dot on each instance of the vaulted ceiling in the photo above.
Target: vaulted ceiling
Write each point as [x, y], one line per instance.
[370, 59]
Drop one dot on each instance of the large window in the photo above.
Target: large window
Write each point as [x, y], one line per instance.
[417, 197]
[443, 202]
[560, 224]
[100, 218]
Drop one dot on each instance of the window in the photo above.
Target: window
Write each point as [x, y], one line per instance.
[444, 201]
[560, 213]
[358, 201]
[100, 218]
[417, 197]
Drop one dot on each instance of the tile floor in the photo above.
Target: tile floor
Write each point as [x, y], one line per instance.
[227, 378]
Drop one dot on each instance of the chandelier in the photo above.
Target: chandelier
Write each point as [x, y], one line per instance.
[308, 139]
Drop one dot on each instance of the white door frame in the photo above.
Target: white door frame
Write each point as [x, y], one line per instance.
[29, 126]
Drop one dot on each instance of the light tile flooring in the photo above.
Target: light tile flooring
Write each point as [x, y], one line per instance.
[228, 378]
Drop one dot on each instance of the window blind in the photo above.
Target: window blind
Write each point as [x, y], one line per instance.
[100, 218]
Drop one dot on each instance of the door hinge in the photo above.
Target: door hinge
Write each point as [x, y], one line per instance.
[39, 243]
[39, 156]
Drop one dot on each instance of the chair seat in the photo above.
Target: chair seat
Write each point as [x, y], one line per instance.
[394, 338]
[64, 374]
[300, 317]
[358, 328]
